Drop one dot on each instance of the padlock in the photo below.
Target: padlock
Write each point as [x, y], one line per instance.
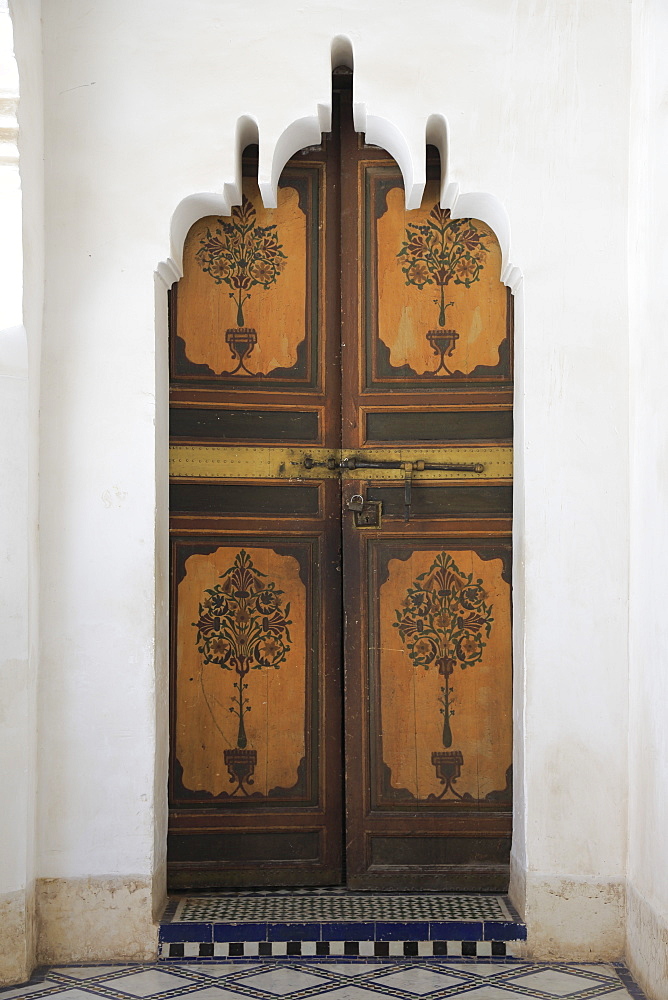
[356, 503]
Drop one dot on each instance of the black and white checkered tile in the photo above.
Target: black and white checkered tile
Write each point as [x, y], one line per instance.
[280, 924]
[349, 949]
[336, 904]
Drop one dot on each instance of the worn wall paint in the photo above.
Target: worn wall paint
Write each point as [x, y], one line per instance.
[95, 920]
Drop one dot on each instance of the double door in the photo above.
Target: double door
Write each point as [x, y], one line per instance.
[341, 420]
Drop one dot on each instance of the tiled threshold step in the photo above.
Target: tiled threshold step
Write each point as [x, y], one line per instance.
[338, 922]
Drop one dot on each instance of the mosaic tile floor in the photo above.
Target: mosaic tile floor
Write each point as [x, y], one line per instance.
[321, 923]
[337, 904]
[344, 980]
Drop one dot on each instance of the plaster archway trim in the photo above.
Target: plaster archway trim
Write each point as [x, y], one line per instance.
[407, 147]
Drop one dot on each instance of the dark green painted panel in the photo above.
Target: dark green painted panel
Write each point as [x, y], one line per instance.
[246, 846]
[252, 500]
[474, 425]
[243, 425]
[445, 501]
[424, 851]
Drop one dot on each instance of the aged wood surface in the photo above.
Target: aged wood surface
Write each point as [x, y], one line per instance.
[406, 311]
[219, 633]
[359, 329]
[424, 807]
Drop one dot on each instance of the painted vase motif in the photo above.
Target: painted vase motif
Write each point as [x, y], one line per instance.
[438, 252]
[241, 255]
[243, 626]
[443, 621]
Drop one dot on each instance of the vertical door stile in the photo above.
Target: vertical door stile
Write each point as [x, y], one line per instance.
[427, 425]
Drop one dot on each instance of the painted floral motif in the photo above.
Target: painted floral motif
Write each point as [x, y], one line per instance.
[242, 254]
[438, 252]
[243, 626]
[444, 621]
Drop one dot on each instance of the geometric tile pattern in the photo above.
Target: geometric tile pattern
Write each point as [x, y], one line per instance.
[317, 923]
[338, 904]
[234, 950]
[334, 979]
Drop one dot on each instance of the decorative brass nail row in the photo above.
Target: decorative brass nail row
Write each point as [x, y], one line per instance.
[240, 462]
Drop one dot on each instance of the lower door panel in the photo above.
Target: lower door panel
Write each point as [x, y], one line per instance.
[255, 777]
[429, 709]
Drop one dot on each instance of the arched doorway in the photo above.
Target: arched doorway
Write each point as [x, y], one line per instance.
[341, 500]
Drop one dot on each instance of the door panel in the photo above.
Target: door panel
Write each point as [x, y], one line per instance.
[260, 274]
[254, 708]
[428, 700]
[427, 362]
[255, 775]
[248, 680]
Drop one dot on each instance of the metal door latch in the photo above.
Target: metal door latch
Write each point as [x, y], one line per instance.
[366, 513]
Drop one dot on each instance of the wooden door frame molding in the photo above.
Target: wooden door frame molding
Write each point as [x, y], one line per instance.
[408, 147]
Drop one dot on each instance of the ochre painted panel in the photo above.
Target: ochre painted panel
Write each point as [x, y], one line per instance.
[440, 304]
[241, 683]
[445, 677]
[243, 308]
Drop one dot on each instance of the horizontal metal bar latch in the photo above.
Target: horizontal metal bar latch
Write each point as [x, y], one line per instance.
[354, 462]
[419, 465]
[232, 461]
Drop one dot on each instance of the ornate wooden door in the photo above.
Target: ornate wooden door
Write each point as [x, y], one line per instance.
[286, 478]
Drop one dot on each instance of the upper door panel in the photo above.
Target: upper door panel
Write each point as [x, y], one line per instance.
[256, 278]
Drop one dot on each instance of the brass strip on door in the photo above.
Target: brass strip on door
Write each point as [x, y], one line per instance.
[231, 462]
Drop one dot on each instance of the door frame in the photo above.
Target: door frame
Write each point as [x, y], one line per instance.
[480, 205]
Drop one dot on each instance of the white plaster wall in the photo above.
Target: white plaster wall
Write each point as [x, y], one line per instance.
[648, 689]
[13, 483]
[141, 105]
[17, 493]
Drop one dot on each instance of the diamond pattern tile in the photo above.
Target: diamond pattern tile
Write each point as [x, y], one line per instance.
[280, 982]
[149, 983]
[557, 984]
[218, 970]
[419, 982]
[341, 969]
[401, 978]
[486, 970]
[91, 971]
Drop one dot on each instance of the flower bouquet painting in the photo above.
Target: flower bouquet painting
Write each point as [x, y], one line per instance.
[444, 621]
[439, 252]
[241, 255]
[243, 625]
